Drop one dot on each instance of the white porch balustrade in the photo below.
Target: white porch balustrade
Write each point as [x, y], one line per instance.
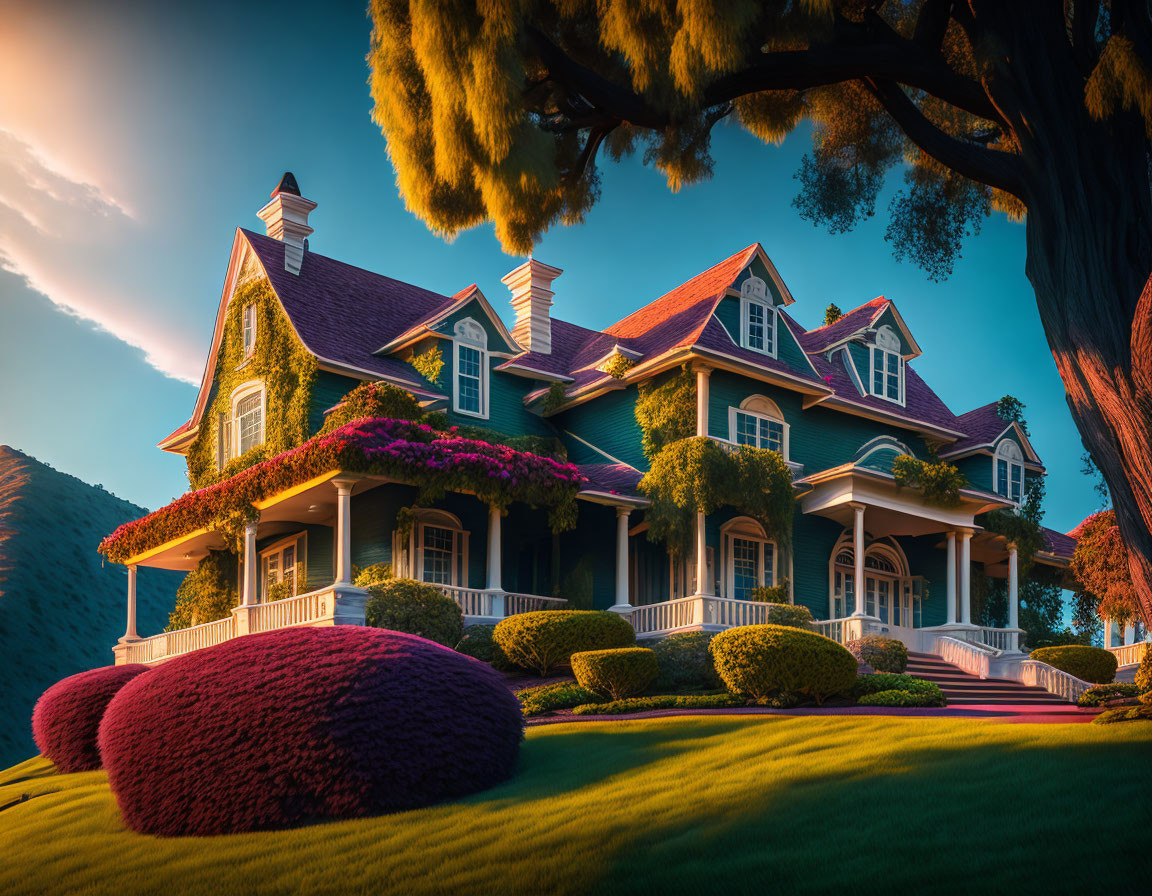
[1128, 654]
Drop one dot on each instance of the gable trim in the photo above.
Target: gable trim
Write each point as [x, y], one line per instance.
[425, 327]
[1033, 459]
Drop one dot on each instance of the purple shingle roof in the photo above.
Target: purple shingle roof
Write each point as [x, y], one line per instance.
[1058, 543]
[615, 479]
[821, 338]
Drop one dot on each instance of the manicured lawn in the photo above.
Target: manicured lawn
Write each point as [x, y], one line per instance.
[662, 806]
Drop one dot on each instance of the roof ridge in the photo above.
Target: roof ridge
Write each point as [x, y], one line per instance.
[849, 313]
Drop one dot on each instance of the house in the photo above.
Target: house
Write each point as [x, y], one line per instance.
[296, 331]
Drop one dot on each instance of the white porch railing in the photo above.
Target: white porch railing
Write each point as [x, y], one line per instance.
[667, 616]
[970, 656]
[1128, 654]
[730, 613]
[478, 601]
[841, 630]
[289, 612]
[1037, 674]
[169, 644]
[529, 603]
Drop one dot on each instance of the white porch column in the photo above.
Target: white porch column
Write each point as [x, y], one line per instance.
[343, 530]
[249, 592]
[494, 584]
[1129, 635]
[702, 374]
[858, 559]
[703, 586]
[966, 576]
[130, 631]
[1013, 595]
[950, 612]
[1107, 631]
[623, 600]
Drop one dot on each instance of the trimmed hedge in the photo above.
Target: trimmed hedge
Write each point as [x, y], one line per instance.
[1140, 712]
[1092, 664]
[763, 660]
[477, 642]
[898, 698]
[666, 701]
[1143, 677]
[882, 654]
[299, 725]
[545, 639]
[888, 681]
[792, 615]
[405, 605]
[67, 716]
[548, 697]
[685, 663]
[1105, 693]
[618, 673]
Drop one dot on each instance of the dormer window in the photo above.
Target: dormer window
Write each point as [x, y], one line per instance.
[1009, 471]
[249, 330]
[887, 379]
[759, 423]
[470, 369]
[757, 317]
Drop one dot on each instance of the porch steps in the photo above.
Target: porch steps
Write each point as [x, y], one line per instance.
[964, 689]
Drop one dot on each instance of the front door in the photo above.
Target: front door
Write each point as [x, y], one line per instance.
[878, 597]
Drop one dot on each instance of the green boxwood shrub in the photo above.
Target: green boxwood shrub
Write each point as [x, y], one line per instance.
[791, 615]
[1139, 712]
[376, 574]
[479, 643]
[618, 673]
[547, 697]
[1144, 672]
[665, 701]
[1092, 664]
[685, 663]
[545, 639]
[867, 685]
[898, 698]
[405, 605]
[882, 654]
[1105, 693]
[763, 660]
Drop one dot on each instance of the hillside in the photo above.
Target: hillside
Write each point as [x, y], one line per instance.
[61, 606]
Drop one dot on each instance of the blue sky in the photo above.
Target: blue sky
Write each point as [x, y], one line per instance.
[155, 129]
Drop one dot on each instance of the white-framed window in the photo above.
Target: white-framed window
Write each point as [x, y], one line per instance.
[249, 329]
[282, 562]
[242, 428]
[759, 423]
[437, 550]
[1008, 470]
[757, 317]
[749, 558]
[470, 369]
[887, 373]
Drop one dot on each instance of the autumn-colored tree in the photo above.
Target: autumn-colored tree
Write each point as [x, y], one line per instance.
[500, 111]
[1100, 566]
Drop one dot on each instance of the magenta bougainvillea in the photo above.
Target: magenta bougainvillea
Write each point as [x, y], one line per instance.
[67, 715]
[432, 460]
[300, 725]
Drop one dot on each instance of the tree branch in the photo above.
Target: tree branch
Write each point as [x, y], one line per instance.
[932, 24]
[997, 169]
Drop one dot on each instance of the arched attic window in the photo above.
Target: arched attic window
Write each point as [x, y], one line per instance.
[470, 369]
[759, 423]
[757, 317]
[887, 375]
[1008, 470]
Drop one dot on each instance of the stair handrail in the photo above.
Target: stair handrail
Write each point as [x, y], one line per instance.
[1055, 681]
[972, 658]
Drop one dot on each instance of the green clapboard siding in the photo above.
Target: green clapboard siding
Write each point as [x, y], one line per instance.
[327, 391]
[787, 349]
[609, 423]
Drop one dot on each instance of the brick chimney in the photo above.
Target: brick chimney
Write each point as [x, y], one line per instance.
[531, 287]
[286, 219]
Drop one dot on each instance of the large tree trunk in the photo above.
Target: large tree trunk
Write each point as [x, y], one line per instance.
[1089, 236]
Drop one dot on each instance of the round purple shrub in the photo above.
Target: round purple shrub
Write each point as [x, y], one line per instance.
[67, 715]
[287, 727]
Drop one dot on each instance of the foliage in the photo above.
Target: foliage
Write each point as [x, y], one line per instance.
[1143, 679]
[882, 654]
[478, 643]
[1100, 566]
[1011, 409]
[618, 365]
[771, 594]
[548, 697]
[663, 701]
[376, 574]
[544, 446]
[67, 715]
[618, 673]
[696, 475]
[1138, 713]
[553, 398]
[939, 481]
[882, 681]
[279, 360]
[666, 413]
[832, 314]
[899, 698]
[791, 615]
[1099, 483]
[371, 401]
[763, 660]
[1021, 528]
[1106, 693]
[1092, 664]
[207, 593]
[543, 640]
[429, 364]
[407, 452]
[352, 721]
[405, 605]
[685, 662]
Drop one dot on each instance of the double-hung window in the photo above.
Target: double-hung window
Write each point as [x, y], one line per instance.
[249, 330]
[759, 423]
[281, 563]
[250, 422]
[1009, 471]
[757, 317]
[887, 380]
[749, 556]
[470, 369]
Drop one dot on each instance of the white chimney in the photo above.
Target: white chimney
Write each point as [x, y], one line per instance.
[531, 287]
[286, 219]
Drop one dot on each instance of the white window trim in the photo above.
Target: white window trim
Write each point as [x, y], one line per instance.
[460, 338]
[413, 563]
[299, 540]
[239, 394]
[733, 411]
[883, 354]
[748, 529]
[770, 328]
[1017, 461]
[249, 348]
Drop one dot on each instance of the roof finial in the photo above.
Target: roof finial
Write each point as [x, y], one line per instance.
[287, 185]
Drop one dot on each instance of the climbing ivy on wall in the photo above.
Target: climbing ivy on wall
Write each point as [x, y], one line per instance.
[429, 364]
[939, 482]
[1021, 528]
[666, 412]
[207, 593]
[279, 360]
[371, 400]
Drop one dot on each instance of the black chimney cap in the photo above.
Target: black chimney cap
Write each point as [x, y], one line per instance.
[287, 185]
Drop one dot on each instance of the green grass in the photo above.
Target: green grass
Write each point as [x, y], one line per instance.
[662, 806]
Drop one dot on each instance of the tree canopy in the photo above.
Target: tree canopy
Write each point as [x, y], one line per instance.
[1100, 565]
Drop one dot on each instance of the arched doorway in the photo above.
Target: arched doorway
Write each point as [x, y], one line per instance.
[891, 593]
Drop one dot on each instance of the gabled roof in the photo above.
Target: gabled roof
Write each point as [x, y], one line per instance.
[984, 427]
[856, 322]
[427, 324]
[1057, 543]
